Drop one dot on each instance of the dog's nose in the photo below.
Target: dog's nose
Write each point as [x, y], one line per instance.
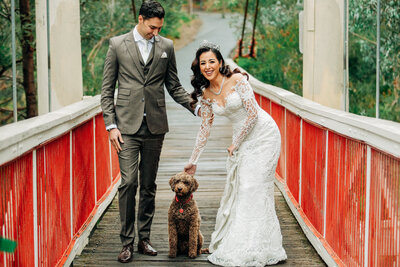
[179, 189]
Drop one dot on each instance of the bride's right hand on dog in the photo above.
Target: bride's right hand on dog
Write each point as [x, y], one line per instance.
[190, 168]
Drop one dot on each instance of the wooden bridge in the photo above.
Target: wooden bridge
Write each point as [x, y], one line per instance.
[338, 173]
[338, 176]
[104, 244]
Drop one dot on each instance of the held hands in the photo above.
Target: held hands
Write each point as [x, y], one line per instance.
[190, 168]
[231, 149]
[115, 139]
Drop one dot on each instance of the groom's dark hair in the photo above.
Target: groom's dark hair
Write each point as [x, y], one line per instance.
[151, 9]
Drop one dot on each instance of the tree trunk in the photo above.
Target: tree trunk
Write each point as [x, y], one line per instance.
[27, 59]
[253, 39]
[134, 10]
[243, 28]
[190, 7]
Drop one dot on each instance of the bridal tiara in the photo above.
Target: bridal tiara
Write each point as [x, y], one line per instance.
[207, 44]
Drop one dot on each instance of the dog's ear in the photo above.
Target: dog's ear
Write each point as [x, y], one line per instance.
[172, 182]
[195, 184]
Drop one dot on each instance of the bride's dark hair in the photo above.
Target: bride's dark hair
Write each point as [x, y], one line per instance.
[198, 81]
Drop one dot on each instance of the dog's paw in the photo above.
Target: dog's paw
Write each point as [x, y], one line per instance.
[172, 255]
[192, 255]
[204, 251]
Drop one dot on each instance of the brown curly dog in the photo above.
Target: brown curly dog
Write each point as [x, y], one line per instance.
[184, 218]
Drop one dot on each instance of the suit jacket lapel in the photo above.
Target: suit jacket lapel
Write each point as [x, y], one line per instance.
[134, 53]
[156, 56]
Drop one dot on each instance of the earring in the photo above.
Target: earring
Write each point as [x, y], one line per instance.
[221, 69]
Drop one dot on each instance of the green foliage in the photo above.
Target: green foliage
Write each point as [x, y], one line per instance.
[362, 59]
[100, 20]
[7, 245]
[278, 61]
[5, 47]
[222, 5]
[174, 18]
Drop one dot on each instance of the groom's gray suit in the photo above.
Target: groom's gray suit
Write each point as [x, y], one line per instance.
[140, 115]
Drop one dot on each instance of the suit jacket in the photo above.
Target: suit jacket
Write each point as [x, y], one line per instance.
[137, 92]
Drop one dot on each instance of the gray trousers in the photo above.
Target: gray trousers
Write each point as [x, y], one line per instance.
[148, 146]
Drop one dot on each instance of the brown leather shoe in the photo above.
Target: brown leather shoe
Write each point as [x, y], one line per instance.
[145, 247]
[126, 254]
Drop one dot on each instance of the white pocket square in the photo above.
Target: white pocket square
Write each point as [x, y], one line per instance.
[164, 55]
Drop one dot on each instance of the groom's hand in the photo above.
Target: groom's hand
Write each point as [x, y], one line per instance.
[190, 168]
[115, 139]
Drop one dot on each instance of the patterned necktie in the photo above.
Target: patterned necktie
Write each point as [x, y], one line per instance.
[145, 54]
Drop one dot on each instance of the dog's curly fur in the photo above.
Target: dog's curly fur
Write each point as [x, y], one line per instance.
[184, 227]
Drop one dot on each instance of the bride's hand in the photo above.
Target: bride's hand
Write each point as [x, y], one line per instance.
[231, 148]
[190, 168]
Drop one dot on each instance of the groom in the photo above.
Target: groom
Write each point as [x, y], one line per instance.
[141, 62]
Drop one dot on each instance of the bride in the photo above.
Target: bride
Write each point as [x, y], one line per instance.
[247, 231]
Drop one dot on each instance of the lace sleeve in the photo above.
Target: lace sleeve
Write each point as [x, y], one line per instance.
[204, 132]
[243, 88]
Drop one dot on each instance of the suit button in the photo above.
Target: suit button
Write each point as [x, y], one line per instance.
[142, 99]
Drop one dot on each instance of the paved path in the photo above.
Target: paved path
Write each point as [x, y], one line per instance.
[104, 244]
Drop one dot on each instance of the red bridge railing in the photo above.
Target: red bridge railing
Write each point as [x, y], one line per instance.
[58, 175]
[340, 175]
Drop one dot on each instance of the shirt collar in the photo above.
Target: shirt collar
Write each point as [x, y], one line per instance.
[138, 37]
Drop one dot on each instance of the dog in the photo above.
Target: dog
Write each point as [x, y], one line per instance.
[184, 218]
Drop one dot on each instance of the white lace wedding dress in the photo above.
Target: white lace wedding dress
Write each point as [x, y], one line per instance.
[247, 231]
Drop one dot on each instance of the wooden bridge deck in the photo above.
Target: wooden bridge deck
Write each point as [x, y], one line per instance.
[104, 244]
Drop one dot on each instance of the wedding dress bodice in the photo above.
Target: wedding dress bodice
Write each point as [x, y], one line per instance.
[240, 108]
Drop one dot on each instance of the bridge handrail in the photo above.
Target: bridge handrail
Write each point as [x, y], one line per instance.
[18, 138]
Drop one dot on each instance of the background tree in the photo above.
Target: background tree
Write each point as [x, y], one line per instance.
[28, 63]
[25, 55]
[134, 10]
[278, 60]
[362, 58]
[101, 20]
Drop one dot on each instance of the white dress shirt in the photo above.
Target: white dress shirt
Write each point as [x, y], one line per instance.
[141, 44]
